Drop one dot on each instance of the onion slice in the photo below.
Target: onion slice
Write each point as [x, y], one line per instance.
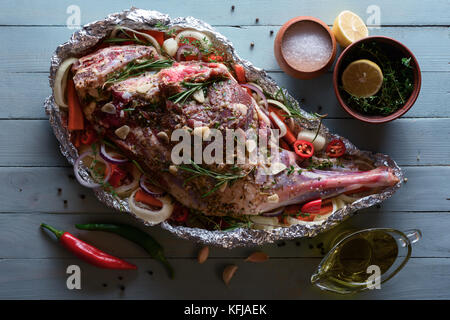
[152, 190]
[280, 124]
[107, 157]
[279, 105]
[76, 170]
[148, 37]
[59, 87]
[126, 190]
[188, 47]
[204, 40]
[274, 213]
[258, 91]
[151, 216]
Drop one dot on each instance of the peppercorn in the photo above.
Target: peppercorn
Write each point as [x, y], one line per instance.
[232, 8]
[252, 44]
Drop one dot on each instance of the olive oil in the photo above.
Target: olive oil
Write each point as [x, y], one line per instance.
[344, 269]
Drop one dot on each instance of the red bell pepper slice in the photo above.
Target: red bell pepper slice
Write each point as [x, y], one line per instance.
[312, 206]
[158, 35]
[336, 148]
[117, 175]
[88, 136]
[304, 149]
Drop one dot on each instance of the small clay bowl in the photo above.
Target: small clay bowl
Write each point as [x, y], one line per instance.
[304, 68]
[393, 46]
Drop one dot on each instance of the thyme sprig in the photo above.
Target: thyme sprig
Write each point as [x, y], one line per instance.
[136, 68]
[219, 177]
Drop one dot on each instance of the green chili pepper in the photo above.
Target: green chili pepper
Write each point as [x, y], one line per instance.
[135, 235]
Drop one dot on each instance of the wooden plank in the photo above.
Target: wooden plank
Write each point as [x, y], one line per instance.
[32, 54]
[408, 141]
[45, 189]
[31, 89]
[245, 13]
[21, 237]
[274, 279]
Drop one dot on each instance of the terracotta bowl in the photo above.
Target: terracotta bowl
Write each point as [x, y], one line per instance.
[296, 71]
[394, 46]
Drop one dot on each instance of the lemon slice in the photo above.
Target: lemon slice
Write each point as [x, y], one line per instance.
[348, 28]
[362, 78]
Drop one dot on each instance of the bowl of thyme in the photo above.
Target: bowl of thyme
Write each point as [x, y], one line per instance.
[401, 80]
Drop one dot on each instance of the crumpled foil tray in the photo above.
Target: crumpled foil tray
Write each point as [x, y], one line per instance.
[81, 43]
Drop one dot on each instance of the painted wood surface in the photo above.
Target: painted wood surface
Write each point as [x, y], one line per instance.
[38, 184]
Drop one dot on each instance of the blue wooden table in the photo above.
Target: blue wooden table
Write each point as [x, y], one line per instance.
[37, 184]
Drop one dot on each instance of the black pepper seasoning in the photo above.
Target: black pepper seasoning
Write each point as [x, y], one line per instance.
[252, 44]
[257, 20]
[271, 32]
[232, 8]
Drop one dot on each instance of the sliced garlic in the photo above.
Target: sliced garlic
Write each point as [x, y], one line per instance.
[122, 132]
[274, 198]
[228, 273]
[109, 108]
[163, 136]
[250, 145]
[201, 131]
[203, 255]
[199, 96]
[277, 167]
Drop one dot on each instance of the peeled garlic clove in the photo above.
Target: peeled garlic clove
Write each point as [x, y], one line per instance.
[109, 108]
[277, 167]
[170, 46]
[274, 198]
[203, 255]
[199, 96]
[143, 88]
[228, 273]
[122, 132]
[258, 256]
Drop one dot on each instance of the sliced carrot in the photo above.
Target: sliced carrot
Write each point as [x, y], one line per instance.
[144, 197]
[158, 35]
[76, 119]
[240, 73]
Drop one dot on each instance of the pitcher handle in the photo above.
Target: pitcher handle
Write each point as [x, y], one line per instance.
[413, 235]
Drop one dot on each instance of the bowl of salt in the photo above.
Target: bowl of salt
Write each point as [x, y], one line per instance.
[305, 47]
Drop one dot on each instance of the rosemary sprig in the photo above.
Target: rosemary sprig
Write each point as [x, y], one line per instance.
[135, 68]
[221, 178]
[191, 88]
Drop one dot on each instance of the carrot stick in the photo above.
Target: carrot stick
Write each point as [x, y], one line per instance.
[76, 119]
[142, 196]
[158, 35]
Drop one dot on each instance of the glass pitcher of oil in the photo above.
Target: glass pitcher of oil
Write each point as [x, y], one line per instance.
[354, 258]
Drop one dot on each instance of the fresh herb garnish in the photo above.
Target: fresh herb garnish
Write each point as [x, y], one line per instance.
[135, 68]
[191, 88]
[397, 80]
[220, 178]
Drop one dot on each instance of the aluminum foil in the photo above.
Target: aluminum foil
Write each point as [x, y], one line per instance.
[84, 39]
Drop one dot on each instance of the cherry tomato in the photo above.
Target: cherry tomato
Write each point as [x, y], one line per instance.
[336, 148]
[303, 148]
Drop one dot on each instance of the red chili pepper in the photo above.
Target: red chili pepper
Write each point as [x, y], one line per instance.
[304, 149]
[117, 175]
[88, 136]
[87, 252]
[336, 148]
[312, 206]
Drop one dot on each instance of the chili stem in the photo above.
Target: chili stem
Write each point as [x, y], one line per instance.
[56, 232]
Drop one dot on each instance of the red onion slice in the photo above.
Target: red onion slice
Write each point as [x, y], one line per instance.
[188, 47]
[109, 158]
[274, 213]
[151, 189]
[88, 184]
[258, 91]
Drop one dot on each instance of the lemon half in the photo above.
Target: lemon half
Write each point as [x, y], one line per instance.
[362, 78]
[348, 28]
